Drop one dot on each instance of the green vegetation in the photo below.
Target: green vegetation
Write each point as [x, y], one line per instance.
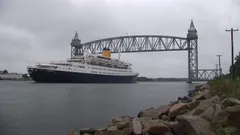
[225, 86]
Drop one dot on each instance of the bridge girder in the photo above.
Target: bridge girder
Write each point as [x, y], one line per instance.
[138, 43]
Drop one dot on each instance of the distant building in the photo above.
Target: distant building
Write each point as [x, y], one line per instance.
[3, 72]
[5, 75]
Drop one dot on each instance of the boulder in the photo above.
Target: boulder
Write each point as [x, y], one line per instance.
[221, 118]
[126, 131]
[137, 127]
[211, 111]
[177, 109]
[169, 123]
[153, 123]
[207, 113]
[121, 118]
[203, 95]
[143, 119]
[165, 118]
[154, 112]
[214, 99]
[72, 132]
[121, 122]
[231, 131]
[112, 128]
[203, 105]
[194, 125]
[234, 116]
[90, 131]
[193, 104]
[230, 102]
[158, 129]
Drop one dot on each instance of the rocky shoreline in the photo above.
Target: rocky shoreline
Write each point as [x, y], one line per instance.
[199, 113]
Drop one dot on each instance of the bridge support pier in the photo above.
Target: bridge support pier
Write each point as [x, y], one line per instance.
[192, 45]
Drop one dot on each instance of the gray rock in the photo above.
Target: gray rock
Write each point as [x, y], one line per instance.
[154, 112]
[112, 128]
[204, 105]
[143, 119]
[137, 127]
[202, 95]
[215, 99]
[230, 102]
[151, 123]
[165, 118]
[193, 104]
[231, 130]
[158, 129]
[208, 113]
[169, 123]
[177, 109]
[121, 122]
[211, 111]
[195, 125]
[221, 118]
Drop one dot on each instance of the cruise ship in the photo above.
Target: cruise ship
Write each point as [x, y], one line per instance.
[86, 68]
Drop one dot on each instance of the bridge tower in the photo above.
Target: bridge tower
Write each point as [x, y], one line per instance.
[192, 43]
[76, 46]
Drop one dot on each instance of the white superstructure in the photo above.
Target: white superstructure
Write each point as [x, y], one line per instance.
[90, 64]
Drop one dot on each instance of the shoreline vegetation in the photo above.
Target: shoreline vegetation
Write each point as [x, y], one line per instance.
[23, 77]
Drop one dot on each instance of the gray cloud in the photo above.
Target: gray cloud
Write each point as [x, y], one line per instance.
[42, 30]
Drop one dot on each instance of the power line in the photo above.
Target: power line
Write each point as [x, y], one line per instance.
[232, 30]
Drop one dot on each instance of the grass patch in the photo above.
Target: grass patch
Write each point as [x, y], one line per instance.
[225, 88]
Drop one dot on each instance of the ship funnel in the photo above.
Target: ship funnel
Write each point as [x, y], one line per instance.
[106, 52]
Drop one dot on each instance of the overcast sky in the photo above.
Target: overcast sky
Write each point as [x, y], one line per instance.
[41, 30]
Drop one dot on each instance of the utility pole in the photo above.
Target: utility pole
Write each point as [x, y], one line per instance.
[232, 30]
[219, 64]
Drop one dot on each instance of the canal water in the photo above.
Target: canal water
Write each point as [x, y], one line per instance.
[28, 108]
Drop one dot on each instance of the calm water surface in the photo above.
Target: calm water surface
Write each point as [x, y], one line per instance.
[28, 108]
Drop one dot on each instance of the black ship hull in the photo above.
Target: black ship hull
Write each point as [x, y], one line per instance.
[50, 76]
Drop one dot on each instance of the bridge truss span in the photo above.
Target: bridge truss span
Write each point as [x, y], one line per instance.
[137, 43]
[150, 43]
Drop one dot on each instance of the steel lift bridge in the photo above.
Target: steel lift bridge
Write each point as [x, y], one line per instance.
[151, 43]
